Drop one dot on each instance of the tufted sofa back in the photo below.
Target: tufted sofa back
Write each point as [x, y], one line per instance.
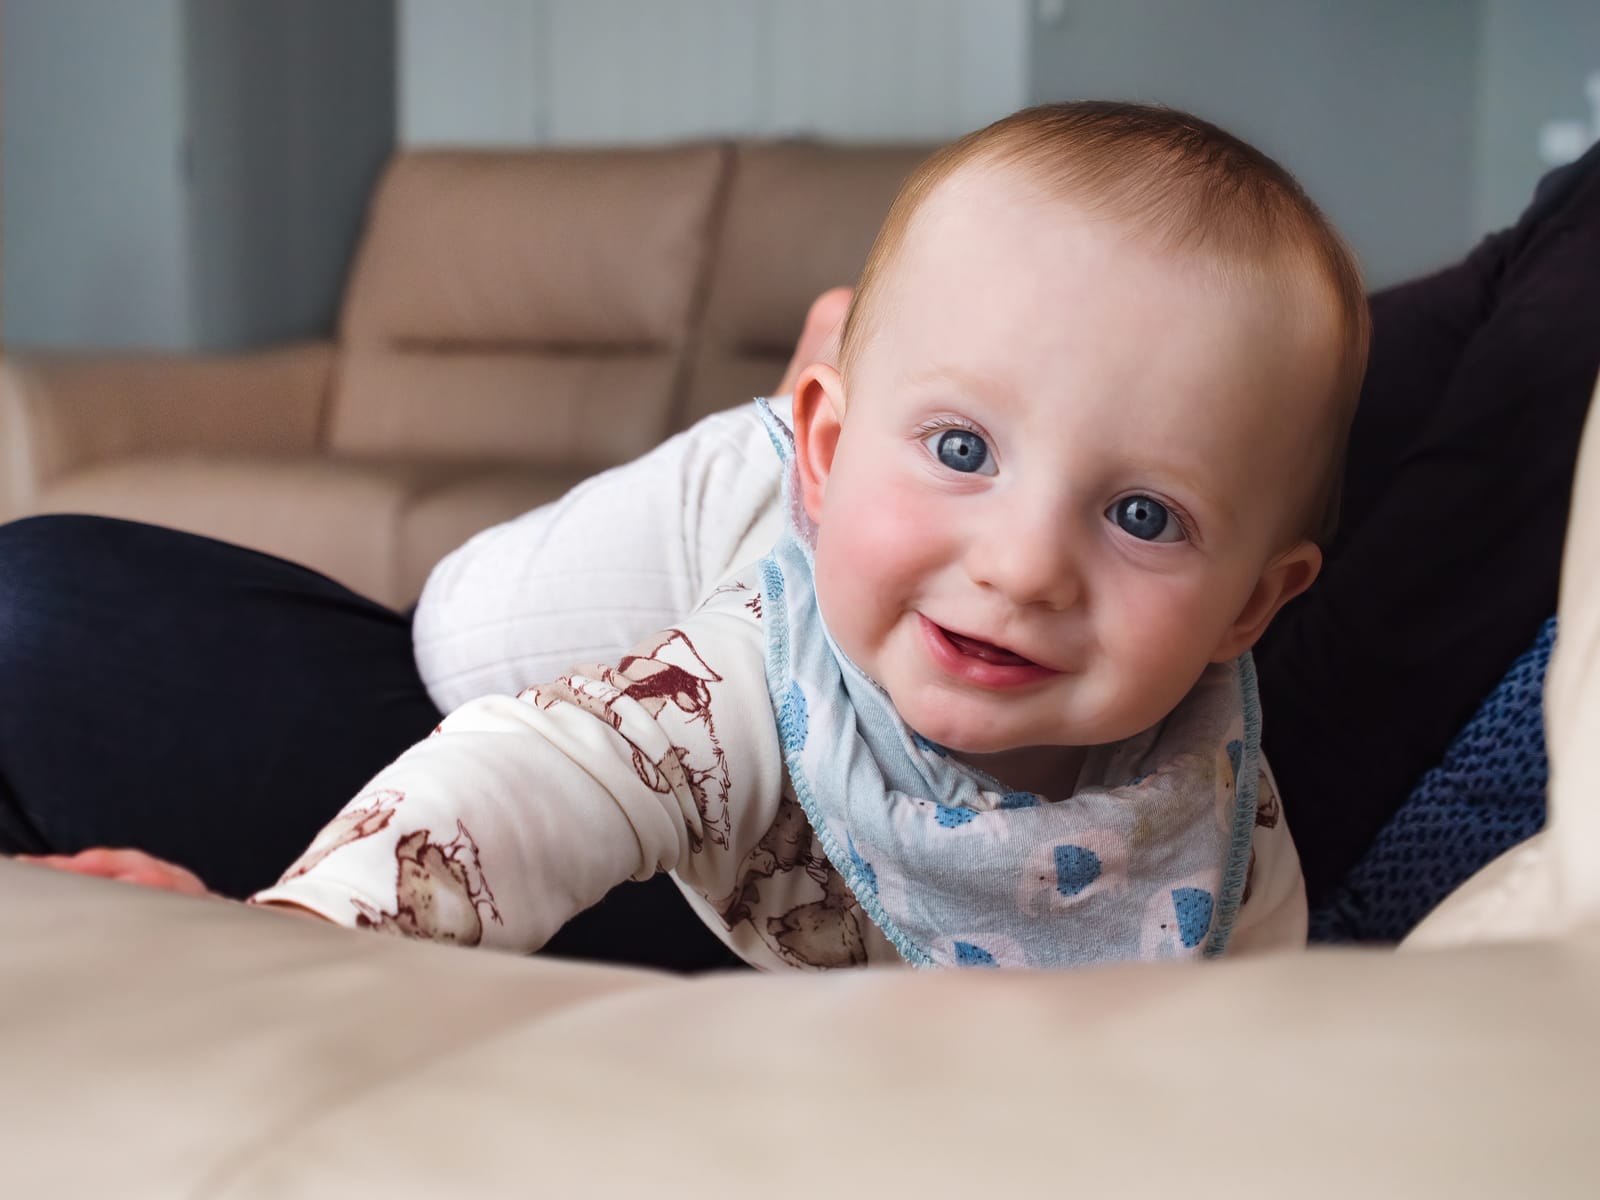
[524, 307]
[573, 307]
[513, 321]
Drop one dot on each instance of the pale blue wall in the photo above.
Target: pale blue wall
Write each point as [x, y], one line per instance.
[533, 72]
[1371, 103]
[93, 249]
[1416, 123]
[191, 173]
[1537, 54]
[186, 174]
[292, 119]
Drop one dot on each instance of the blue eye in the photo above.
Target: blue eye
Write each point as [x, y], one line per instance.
[1146, 519]
[961, 450]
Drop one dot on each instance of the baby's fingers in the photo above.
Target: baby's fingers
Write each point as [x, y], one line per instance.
[162, 875]
[127, 866]
[100, 860]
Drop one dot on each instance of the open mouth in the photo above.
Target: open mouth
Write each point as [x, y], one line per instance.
[986, 651]
[980, 663]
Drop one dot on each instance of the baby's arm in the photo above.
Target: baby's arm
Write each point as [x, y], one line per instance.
[518, 813]
[626, 552]
[1273, 915]
[580, 580]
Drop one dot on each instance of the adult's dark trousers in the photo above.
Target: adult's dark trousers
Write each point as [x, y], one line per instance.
[215, 706]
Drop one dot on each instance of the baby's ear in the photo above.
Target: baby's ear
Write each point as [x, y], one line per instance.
[818, 416]
[1286, 576]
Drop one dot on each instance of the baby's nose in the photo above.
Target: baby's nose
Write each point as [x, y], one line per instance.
[1029, 561]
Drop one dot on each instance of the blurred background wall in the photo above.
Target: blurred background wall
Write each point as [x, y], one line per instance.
[191, 174]
[606, 71]
[185, 174]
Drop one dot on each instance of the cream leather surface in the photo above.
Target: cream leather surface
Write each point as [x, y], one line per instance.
[575, 247]
[157, 1046]
[1551, 883]
[1572, 701]
[309, 507]
[763, 274]
[506, 305]
[60, 413]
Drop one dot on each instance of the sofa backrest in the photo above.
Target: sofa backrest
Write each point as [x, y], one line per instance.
[799, 218]
[571, 308]
[526, 306]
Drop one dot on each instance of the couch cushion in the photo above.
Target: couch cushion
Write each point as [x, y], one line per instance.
[375, 527]
[559, 410]
[158, 1045]
[496, 293]
[800, 218]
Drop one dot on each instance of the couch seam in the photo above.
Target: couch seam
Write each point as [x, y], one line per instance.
[700, 296]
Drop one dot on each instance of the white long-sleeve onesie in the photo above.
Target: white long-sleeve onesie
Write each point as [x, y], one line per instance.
[582, 579]
[520, 812]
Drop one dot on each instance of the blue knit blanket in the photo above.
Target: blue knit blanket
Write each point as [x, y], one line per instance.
[1485, 796]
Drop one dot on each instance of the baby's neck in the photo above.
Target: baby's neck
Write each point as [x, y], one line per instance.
[1048, 771]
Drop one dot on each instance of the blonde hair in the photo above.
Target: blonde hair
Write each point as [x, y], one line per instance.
[1185, 183]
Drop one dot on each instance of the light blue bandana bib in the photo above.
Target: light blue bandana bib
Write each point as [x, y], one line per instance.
[1146, 860]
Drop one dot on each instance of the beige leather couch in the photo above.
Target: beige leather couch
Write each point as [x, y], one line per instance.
[513, 322]
[158, 1046]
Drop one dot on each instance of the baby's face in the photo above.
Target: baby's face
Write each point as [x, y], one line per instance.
[1069, 464]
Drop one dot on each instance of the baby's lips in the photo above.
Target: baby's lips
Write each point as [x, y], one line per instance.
[986, 651]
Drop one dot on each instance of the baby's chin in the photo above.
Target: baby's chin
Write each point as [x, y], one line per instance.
[961, 738]
[969, 743]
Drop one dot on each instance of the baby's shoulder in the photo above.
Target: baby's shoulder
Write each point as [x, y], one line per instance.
[740, 593]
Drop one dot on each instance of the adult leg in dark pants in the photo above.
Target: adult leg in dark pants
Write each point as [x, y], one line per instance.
[205, 703]
[215, 706]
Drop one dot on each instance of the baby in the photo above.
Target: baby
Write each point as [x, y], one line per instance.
[989, 701]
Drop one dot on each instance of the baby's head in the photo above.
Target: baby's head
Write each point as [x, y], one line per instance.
[1088, 425]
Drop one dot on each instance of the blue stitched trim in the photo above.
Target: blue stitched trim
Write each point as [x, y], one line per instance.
[769, 420]
[772, 587]
[1245, 798]
[778, 679]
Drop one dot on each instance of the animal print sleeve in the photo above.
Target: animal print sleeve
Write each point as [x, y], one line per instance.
[519, 812]
[1272, 915]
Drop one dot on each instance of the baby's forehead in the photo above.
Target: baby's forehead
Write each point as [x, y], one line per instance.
[981, 203]
[1111, 301]
[1000, 229]
[982, 196]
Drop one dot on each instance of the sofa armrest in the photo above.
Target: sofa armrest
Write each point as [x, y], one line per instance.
[61, 412]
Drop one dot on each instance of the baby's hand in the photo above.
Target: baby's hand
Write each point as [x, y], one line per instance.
[128, 866]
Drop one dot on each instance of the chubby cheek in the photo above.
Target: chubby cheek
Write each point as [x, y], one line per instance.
[872, 559]
[1162, 638]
